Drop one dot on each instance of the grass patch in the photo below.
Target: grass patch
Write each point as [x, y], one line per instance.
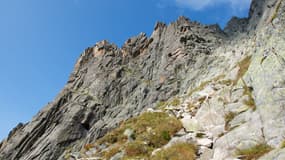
[137, 149]
[165, 135]
[161, 105]
[191, 106]
[275, 12]
[67, 152]
[89, 146]
[282, 145]
[254, 152]
[127, 70]
[204, 84]
[222, 134]
[111, 152]
[152, 130]
[179, 151]
[175, 102]
[228, 118]
[243, 68]
[147, 82]
[250, 102]
[200, 135]
[226, 82]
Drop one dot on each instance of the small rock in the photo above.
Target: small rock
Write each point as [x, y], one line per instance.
[155, 151]
[206, 153]
[150, 110]
[188, 138]
[130, 134]
[75, 155]
[185, 114]
[153, 110]
[190, 124]
[91, 152]
[172, 108]
[117, 156]
[180, 133]
[204, 142]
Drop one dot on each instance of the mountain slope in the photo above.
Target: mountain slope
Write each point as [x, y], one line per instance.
[110, 84]
[240, 71]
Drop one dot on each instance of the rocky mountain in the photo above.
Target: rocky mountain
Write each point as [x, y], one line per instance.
[191, 89]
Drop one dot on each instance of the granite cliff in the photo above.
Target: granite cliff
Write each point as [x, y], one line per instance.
[221, 91]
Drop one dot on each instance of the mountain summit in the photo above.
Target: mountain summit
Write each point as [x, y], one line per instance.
[191, 89]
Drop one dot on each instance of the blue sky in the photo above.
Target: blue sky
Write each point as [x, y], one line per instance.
[40, 41]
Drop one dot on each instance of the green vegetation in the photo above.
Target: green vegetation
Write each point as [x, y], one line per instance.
[88, 146]
[226, 82]
[275, 12]
[191, 106]
[222, 134]
[137, 149]
[175, 102]
[228, 118]
[243, 68]
[147, 82]
[127, 70]
[179, 151]
[66, 153]
[250, 101]
[111, 152]
[200, 135]
[254, 152]
[282, 144]
[161, 105]
[204, 84]
[152, 130]
[165, 135]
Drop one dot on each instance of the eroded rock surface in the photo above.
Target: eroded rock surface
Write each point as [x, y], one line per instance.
[230, 85]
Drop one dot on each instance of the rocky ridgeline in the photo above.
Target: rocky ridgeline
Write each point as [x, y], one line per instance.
[222, 93]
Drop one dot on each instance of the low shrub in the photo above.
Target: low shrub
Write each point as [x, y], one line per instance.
[282, 145]
[254, 152]
[89, 146]
[175, 102]
[179, 151]
[137, 149]
[111, 152]
[228, 118]
[151, 130]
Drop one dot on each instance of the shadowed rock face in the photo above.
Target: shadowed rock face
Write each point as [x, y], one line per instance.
[111, 84]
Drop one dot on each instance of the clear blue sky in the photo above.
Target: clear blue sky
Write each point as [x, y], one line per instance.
[40, 41]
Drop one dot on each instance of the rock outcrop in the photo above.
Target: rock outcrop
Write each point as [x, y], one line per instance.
[229, 85]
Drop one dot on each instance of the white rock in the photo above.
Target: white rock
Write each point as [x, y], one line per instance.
[150, 110]
[190, 124]
[155, 151]
[204, 142]
[206, 154]
[129, 133]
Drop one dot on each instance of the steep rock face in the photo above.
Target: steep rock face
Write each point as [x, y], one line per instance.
[261, 13]
[110, 84]
[236, 26]
[242, 79]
